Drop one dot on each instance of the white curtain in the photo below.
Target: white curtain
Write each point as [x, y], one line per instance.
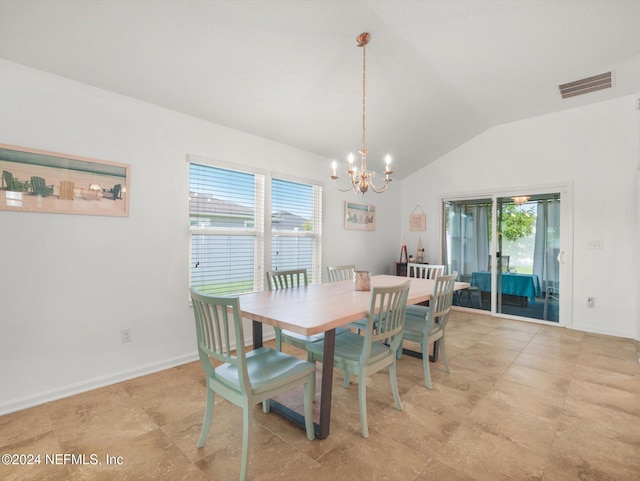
[477, 251]
[468, 247]
[454, 246]
[547, 243]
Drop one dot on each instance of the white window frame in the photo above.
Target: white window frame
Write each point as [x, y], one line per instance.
[262, 229]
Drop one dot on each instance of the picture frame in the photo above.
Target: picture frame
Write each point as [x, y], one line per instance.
[50, 182]
[359, 216]
[418, 222]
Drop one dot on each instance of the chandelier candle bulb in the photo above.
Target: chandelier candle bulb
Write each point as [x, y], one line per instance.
[334, 166]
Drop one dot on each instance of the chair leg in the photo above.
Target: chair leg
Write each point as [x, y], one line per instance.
[394, 386]
[443, 351]
[208, 414]
[309, 396]
[425, 363]
[266, 406]
[278, 339]
[362, 397]
[346, 379]
[246, 438]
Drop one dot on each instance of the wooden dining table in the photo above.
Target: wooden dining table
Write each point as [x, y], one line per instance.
[320, 308]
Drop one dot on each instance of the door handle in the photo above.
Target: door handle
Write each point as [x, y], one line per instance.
[560, 258]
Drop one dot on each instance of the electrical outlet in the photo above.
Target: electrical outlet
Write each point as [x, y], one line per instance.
[126, 335]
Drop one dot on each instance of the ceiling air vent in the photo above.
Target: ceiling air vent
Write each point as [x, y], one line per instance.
[586, 85]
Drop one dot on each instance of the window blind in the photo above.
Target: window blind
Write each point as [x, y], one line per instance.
[226, 215]
[296, 227]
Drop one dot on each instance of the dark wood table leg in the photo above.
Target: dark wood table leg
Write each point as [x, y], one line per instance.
[257, 334]
[436, 348]
[432, 357]
[322, 429]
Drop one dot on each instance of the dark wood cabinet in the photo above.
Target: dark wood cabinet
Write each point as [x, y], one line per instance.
[401, 268]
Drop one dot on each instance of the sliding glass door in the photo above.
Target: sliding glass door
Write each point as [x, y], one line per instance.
[508, 249]
[467, 245]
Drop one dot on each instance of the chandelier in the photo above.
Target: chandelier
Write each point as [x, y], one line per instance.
[522, 199]
[362, 180]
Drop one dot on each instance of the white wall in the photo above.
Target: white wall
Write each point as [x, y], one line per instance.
[596, 148]
[70, 283]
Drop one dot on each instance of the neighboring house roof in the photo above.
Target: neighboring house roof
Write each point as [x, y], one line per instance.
[287, 221]
[207, 205]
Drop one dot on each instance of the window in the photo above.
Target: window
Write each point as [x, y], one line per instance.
[228, 221]
[295, 227]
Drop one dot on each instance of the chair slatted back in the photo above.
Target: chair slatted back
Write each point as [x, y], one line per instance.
[40, 187]
[13, 184]
[385, 320]
[216, 318]
[277, 280]
[37, 183]
[341, 273]
[440, 302]
[503, 263]
[424, 271]
[66, 189]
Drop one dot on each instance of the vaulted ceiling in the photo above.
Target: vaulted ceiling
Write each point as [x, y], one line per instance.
[438, 72]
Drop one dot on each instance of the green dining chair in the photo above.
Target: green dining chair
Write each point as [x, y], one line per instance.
[422, 271]
[244, 378]
[428, 328]
[341, 273]
[376, 349]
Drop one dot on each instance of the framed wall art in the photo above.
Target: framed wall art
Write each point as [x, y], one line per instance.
[41, 181]
[418, 221]
[359, 216]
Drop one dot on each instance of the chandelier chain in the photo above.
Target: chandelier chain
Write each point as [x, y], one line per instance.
[362, 180]
[364, 99]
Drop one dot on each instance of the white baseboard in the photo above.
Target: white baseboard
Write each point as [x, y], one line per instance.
[37, 399]
[90, 384]
[606, 332]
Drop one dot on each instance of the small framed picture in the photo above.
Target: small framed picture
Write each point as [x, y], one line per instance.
[359, 216]
[418, 222]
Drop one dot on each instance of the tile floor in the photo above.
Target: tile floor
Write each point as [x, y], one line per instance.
[522, 402]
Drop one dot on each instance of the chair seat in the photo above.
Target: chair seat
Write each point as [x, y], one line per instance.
[417, 311]
[267, 370]
[349, 347]
[300, 340]
[294, 336]
[359, 325]
[414, 329]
